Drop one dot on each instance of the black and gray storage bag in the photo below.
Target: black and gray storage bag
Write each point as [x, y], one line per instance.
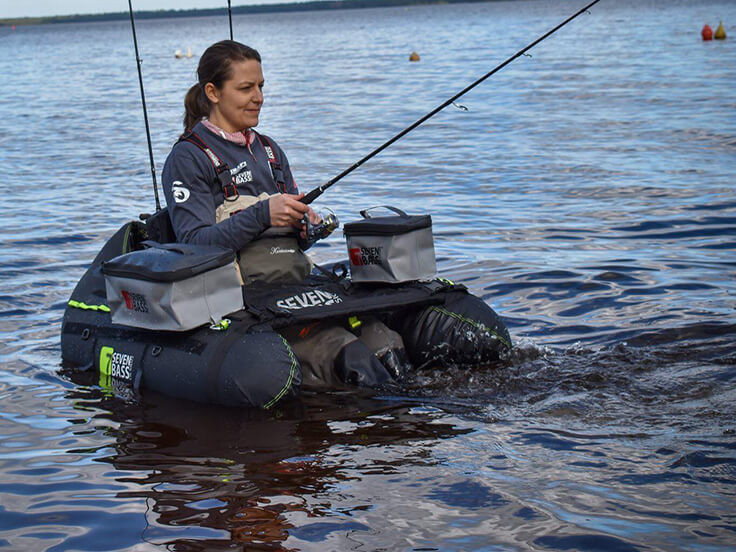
[393, 249]
[173, 286]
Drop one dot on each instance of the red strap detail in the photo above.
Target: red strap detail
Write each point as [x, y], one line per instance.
[193, 138]
[275, 165]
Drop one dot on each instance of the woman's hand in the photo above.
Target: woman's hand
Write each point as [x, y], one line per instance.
[287, 210]
[314, 218]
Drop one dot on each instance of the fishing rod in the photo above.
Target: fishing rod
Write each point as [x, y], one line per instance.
[139, 61]
[230, 18]
[315, 193]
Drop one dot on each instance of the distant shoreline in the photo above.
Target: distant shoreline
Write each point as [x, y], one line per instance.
[314, 5]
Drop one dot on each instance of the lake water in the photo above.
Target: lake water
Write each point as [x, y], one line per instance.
[587, 194]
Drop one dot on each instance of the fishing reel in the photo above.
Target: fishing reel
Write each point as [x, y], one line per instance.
[316, 232]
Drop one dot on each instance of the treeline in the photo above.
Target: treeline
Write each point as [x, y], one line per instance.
[317, 5]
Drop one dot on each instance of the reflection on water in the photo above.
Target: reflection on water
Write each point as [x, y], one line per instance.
[535, 455]
[221, 476]
[587, 194]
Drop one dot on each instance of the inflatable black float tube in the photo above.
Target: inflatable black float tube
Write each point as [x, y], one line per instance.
[249, 363]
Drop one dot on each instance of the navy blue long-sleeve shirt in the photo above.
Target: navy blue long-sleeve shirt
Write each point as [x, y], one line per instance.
[193, 191]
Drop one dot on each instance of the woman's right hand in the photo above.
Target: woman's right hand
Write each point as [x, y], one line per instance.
[287, 210]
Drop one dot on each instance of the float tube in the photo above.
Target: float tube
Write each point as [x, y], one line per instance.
[247, 363]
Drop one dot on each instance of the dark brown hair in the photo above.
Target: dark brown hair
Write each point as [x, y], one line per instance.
[215, 66]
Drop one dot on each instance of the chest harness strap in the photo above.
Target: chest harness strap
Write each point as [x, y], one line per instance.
[224, 177]
[276, 170]
[229, 189]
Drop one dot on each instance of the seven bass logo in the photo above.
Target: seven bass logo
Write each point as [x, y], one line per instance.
[360, 256]
[316, 298]
[135, 301]
[115, 365]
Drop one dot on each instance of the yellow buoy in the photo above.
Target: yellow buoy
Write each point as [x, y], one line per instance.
[720, 32]
[414, 57]
[189, 53]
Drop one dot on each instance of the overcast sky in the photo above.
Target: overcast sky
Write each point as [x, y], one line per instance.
[35, 8]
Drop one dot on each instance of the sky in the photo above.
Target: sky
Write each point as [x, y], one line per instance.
[36, 8]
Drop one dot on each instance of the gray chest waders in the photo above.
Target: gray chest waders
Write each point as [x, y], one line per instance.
[275, 255]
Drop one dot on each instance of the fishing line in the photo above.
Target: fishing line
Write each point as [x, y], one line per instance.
[139, 61]
[316, 192]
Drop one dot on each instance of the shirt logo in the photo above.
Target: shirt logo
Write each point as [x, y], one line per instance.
[243, 177]
[180, 193]
[239, 168]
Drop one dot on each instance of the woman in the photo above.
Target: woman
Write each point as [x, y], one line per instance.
[224, 183]
[227, 185]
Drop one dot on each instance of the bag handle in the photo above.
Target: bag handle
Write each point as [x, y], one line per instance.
[364, 212]
[175, 247]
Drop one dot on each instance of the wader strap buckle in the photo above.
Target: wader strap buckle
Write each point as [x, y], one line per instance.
[230, 191]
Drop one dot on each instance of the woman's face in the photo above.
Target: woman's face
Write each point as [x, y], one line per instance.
[237, 104]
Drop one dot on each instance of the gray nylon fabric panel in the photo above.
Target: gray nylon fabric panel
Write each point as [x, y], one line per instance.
[274, 259]
[175, 306]
[275, 255]
[317, 353]
[393, 259]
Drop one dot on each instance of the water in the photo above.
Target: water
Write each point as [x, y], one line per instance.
[587, 194]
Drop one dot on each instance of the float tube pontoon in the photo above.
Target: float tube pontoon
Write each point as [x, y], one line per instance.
[248, 363]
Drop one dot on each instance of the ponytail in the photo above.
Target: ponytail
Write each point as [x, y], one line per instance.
[215, 67]
[196, 107]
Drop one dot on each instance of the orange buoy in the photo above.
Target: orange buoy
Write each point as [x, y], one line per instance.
[720, 32]
[707, 33]
[414, 57]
